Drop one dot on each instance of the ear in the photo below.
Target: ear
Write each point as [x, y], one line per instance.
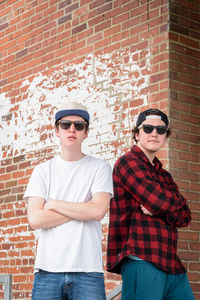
[86, 134]
[137, 136]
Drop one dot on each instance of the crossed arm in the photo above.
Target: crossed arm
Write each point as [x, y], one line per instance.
[42, 214]
[155, 198]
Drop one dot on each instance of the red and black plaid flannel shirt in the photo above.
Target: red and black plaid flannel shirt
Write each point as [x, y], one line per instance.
[131, 232]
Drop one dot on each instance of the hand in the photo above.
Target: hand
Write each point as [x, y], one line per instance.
[145, 211]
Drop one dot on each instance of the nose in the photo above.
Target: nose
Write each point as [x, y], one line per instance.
[72, 127]
[154, 132]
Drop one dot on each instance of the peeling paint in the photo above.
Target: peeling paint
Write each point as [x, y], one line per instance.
[101, 83]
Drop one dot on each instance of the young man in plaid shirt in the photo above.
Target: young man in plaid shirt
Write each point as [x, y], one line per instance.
[145, 212]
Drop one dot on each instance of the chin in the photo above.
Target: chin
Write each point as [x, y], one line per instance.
[153, 149]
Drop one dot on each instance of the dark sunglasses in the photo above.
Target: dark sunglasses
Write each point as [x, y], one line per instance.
[161, 129]
[66, 124]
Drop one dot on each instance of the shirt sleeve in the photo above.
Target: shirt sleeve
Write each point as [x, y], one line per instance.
[158, 198]
[36, 186]
[180, 218]
[103, 180]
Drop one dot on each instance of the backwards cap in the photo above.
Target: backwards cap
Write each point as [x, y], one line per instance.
[154, 113]
[72, 109]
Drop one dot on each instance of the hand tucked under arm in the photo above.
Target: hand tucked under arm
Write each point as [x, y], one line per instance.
[145, 211]
[94, 209]
[40, 218]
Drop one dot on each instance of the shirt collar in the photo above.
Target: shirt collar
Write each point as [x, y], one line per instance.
[156, 162]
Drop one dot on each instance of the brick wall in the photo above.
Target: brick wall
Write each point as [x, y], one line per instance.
[117, 57]
[184, 154]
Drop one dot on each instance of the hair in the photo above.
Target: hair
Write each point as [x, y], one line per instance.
[136, 130]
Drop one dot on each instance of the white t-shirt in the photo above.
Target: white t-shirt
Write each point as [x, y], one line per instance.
[74, 246]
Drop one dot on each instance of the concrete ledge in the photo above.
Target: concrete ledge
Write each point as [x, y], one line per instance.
[114, 293]
[7, 284]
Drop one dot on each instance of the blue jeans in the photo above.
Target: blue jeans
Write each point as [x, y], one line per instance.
[68, 286]
[143, 281]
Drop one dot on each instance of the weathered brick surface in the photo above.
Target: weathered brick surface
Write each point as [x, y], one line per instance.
[184, 96]
[117, 57]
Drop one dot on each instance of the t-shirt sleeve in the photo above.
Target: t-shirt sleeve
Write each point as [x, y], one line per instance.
[103, 180]
[37, 186]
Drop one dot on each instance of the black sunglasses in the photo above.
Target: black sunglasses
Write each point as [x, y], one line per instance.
[161, 129]
[66, 124]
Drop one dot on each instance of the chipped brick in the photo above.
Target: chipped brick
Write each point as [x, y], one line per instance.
[19, 158]
[7, 117]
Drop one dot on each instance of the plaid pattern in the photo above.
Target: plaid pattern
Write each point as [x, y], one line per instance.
[152, 238]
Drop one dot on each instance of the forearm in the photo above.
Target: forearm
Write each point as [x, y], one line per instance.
[44, 219]
[87, 211]
[76, 211]
[157, 199]
[40, 218]
[180, 218]
[165, 205]
[160, 195]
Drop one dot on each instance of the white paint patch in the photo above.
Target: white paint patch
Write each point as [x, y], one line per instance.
[104, 84]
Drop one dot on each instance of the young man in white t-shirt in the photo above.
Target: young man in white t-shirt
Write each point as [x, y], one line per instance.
[67, 197]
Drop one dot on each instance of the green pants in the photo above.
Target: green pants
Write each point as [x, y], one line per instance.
[143, 281]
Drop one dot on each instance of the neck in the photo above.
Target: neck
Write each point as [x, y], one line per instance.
[71, 155]
[150, 155]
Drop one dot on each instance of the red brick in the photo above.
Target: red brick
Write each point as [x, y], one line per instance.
[102, 43]
[11, 183]
[126, 41]
[19, 278]
[104, 8]
[120, 19]
[194, 168]
[18, 174]
[103, 26]
[112, 31]
[5, 11]
[5, 177]
[94, 38]
[42, 7]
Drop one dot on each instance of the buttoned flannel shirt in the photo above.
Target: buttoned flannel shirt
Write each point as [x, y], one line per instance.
[152, 238]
